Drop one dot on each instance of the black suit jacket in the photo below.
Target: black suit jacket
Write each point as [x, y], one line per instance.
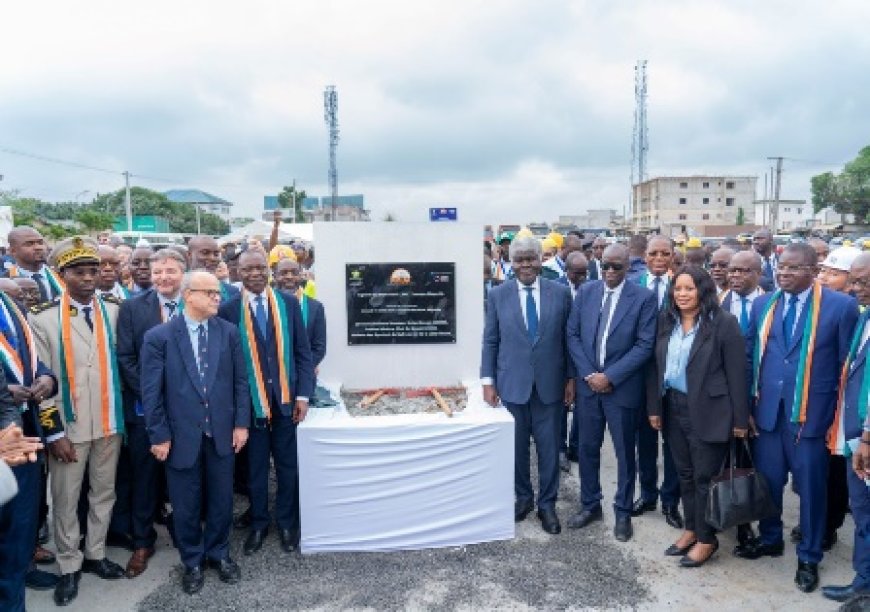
[135, 317]
[715, 376]
[315, 327]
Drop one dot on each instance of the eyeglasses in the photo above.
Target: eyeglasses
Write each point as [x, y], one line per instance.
[860, 283]
[792, 269]
[718, 264]
[659, 254]
[212, 293]
[740, 270]
[617, 267]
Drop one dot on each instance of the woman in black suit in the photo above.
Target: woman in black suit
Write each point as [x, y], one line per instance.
[696, 391]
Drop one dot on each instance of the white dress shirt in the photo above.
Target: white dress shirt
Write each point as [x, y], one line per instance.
[736, 301]
[663, 285]
[536, 295]
[802, 300]
[252, 302]
[614, 300]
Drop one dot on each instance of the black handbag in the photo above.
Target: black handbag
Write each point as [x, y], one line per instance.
[738, 495]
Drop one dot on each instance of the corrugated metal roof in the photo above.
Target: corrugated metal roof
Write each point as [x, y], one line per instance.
[193, 196]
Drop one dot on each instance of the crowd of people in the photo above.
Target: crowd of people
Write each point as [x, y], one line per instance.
[144, 386]
[737, 349]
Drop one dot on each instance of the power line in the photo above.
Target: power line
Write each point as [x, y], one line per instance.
[54, 160]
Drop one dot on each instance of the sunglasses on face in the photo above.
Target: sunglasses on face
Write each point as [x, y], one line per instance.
[617, 267]
[718, 264]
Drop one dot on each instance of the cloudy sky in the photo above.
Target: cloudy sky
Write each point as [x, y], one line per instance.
[512, 110]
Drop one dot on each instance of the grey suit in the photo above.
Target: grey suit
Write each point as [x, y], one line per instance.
[530, 378]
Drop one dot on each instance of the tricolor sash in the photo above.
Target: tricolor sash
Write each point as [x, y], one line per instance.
[837, 434]
[303, 305]
[284, 347]
[10, 357]
[112, 407]
[808, 344]
[51, 276]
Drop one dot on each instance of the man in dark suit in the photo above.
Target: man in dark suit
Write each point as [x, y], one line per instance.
[598, 246]
[792, 420]
[204, 253]
[525, 363]
[137, 316]
[28, 383]
[762, 243]
[288, 278]
[287, 387]
[28, 251]
[851, 435]
[576, 268]
[611, 333]
[197, 412]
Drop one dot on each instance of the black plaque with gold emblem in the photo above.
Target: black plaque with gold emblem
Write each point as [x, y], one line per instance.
[401, 303]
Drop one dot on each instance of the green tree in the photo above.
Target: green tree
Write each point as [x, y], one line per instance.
[93, 220]
[181, 217]
[741, 216]
[847, 192]
[286, 199]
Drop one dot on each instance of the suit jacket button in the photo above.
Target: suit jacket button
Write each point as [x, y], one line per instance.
[269, 382]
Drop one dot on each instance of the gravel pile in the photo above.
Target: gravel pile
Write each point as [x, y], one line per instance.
[576, 569]
[401, 401]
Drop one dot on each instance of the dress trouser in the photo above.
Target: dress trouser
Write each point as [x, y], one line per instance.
[144, 472]
[696, 463]
[276, 440]
[859, 500]
[18, 525]
[838, 493]
[100, 458]
[186, 494]
[779, 452]
[541, 422]
[595, 415]
[647, 465]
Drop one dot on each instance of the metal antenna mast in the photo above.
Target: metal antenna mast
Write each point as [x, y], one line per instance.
[639, 133]
[330, 115]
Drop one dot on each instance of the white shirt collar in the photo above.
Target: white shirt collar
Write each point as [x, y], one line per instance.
[252, 297]
[536, 286]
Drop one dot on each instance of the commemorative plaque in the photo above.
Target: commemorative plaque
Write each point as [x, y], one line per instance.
[401, 303]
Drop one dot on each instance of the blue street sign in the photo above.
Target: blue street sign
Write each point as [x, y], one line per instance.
[442, 214]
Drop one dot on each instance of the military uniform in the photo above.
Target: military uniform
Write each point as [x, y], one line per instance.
[96, 447]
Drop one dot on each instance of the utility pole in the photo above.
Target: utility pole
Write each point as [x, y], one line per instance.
[127, 203]
[293, 218]
[198, 228]
[639, 139]
[776, 185]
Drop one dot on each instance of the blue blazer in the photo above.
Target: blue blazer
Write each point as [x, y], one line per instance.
[854, 426]
[174, 399]
[515, 363]
[302, 382]
[136, 316]
[778, 372]
[316, 330]
[32, 412]
[630, 342]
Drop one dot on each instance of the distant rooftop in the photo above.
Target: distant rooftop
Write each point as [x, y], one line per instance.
[193, 196]
[314, 202]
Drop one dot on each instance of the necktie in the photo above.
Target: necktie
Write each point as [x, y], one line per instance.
[202, 340]
[603, 316]
[170, 309]
[788, 319]
[260, 314]
[531, 314]
[744, 314]
[768, 269]
[43, 294]
[657, 283]
[86, 310]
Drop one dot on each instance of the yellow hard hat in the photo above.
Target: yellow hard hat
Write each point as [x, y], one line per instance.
[558, 238]
[524, 233]
[694, 243]
[282, 251]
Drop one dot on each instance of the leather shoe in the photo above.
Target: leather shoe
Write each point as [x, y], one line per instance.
[807, 576]
[672, 516]
[138, 562]
[828, 541]
[243, 521]
[842, 593]
[572, 455]
[105, 569]
[745, 534]
[42, 556]
[521, 510]
[289, 540]
[67, 588]
[549, 521]
[39, 580]
[564, 464]
[675, 551]
[622, 531]
[796, 535]
[228, 570]
[687, 561]
[584, 518]
[120, 540]
[42, 534]
[254, 541]
[754, 549]
[192, 580]
[641, 506]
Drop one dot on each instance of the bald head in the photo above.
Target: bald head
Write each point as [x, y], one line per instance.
[576, 266]
[204, 253]
[11, 288]
[572, 244]
[719, 261]
[27, 248]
